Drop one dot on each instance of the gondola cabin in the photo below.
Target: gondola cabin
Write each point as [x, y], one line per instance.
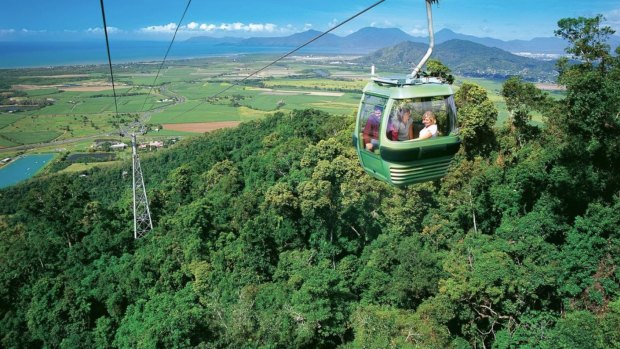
[391, 150]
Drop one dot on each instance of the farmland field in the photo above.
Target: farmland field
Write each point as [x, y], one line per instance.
[79, 167]
[187, 93]
[7, 119]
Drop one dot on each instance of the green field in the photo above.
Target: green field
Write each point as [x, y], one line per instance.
[79, 167]
[323, 84]
[186, 91]
[7, 119]
[5, 142]
[196, 111]
[30, 137]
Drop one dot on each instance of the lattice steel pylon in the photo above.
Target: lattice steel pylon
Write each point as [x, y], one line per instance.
[142, 223]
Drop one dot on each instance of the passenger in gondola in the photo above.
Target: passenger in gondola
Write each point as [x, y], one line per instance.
[430, 126]
[402, 126]
[371, 130]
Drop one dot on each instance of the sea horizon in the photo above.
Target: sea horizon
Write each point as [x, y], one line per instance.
[23, 55]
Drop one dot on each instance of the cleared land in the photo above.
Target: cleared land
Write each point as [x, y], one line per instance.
[551, 87]
[76, 87]
[189, 97]
[269, 91]
[201, 127]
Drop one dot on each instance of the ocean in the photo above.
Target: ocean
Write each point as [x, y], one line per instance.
[46, 54]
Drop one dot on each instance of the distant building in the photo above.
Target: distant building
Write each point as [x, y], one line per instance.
[108, 143]
[118, 146]
[5, 160]
[151, 145]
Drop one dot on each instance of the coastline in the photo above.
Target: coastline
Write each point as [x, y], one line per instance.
[23, 55]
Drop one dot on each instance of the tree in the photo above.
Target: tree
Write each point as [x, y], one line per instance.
[588, 39]
[590, 257]
[585, 125]
[437, 69]
[166, 320]
[477, 117]
[521, 99]
[320, 301]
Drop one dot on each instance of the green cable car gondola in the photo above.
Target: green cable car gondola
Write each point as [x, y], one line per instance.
[406, 128]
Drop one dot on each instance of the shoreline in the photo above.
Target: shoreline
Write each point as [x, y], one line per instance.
[37, 55]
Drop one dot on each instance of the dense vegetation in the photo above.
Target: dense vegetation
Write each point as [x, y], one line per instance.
[271, 236]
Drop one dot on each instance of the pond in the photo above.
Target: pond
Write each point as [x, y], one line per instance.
[23, 168]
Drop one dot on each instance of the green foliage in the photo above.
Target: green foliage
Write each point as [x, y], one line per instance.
[166, 320]
[588, 39]
[386, 327]
[392, 275]
[270, 235]
[477, 116]
[582, 329]
[437, 69]
[590, 256]
[586, 124]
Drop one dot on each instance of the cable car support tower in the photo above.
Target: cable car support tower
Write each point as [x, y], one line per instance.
[142, 223]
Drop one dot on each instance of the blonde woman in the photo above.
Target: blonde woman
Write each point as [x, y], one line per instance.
[430, 126]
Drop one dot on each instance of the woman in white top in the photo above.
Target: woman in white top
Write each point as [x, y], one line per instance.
[430, 126]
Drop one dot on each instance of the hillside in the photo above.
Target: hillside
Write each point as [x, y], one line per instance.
[270, 235]
[363, 40]
[464, 58]
[292, 40]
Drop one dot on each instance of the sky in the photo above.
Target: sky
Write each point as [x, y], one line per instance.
[69, 20]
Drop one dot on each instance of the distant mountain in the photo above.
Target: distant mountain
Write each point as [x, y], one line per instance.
[550, 45]
[369, 39]
[328, 40]
[464, 58]
[363, 41]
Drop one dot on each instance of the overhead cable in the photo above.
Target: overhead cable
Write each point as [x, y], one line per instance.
[107, 45]
[237, 83]
[166, 55]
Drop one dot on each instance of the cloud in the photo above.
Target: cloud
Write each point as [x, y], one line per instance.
[418, 31]
[267, 27]
[613, 19]
[334, 22]
[207, 27]
[111, 30]
[30, 31]
[167, 28]
[384, 24]
[194, 27]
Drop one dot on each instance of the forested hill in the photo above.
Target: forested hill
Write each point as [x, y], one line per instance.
[464, 58]
[271, 236]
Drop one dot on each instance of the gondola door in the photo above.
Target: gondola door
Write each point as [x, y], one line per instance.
[371, 115]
